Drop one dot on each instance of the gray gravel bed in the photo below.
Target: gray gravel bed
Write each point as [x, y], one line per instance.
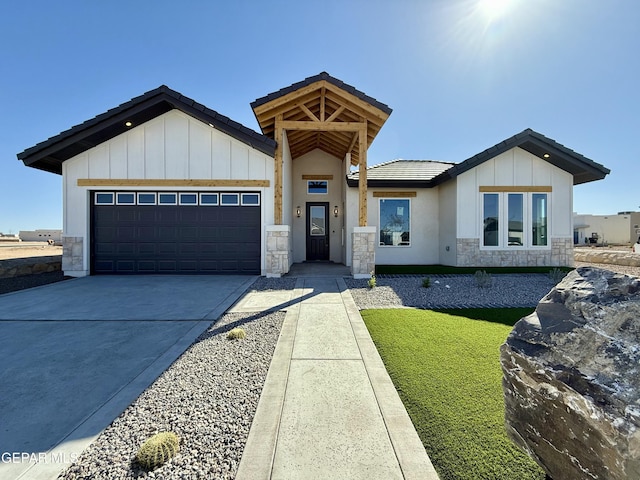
[450, 291]
[208, 397]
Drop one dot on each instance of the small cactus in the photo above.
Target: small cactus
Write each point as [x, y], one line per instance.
[157, 450]
[426, 282]
[372, 283]
[236, 334]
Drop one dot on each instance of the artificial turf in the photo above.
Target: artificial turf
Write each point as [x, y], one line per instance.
[445, 366]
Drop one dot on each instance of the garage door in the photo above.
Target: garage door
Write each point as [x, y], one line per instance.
[175, 232]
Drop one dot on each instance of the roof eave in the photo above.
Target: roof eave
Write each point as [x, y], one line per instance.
[138, 111]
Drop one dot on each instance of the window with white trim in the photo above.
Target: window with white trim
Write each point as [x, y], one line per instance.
[125, 198]
[395, 222]
[167, 198]
[209, 199]
[104, 198]
[515, 220]
[229, 199]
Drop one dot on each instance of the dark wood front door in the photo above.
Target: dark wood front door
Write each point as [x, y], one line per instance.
[317, 231]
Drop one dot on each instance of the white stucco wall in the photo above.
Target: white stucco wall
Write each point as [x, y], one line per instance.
[171, 146]
[424, 233]
[317, 162]
[447, 218]
[612, 229]
[514, 167]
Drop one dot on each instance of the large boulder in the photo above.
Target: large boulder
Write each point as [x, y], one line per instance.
[572, 378]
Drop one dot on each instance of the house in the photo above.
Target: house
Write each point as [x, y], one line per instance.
[163, 184]
[620, 229]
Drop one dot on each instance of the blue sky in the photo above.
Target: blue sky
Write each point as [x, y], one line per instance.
[460, 75]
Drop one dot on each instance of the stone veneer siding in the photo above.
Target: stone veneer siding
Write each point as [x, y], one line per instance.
[469, 255]
[363, 255]
[73, 256]
[278, 240]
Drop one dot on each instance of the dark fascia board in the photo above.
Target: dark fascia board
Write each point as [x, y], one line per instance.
[316, 78]
[582, 168]
[391, 183]
[50, 154]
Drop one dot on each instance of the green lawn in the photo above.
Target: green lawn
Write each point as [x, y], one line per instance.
[445, 366]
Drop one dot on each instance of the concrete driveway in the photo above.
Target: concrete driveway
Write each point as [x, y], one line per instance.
[75, 354]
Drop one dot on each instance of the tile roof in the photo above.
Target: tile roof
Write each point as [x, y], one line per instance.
[50, 154]
[402, 173]
[582, 168]
[316, 78]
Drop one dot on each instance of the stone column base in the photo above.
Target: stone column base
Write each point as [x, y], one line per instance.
[363, 253]
[277, 250]
[73, 257]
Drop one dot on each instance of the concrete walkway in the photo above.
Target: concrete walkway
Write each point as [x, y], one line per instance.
[328, 408]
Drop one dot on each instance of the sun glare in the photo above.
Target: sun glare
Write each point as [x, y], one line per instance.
[494, 9]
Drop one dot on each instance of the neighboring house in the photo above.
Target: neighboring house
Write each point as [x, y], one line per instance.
[162, 184]
[620, 229]
[41, 235]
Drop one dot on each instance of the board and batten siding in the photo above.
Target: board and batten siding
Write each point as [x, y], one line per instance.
[172, 146]
[515, 167]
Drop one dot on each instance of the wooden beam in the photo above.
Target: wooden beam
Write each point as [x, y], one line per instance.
[361, 105]
[498, 188]
[323, 126]
[322, 103]
[395, 194]
[335, 114]
[309, 113]
[353, 142]
[362, 177]
[289, 98]
[317, 177]
[168, 182]
[277, 194]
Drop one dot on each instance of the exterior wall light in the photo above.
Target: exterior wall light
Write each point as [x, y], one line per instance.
[298, 211]
[335, 211]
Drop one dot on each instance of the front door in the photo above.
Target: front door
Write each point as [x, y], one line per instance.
[317, 231]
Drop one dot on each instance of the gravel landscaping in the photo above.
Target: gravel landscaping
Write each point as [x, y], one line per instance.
[210, 394]
[208, 397]
[450, 291]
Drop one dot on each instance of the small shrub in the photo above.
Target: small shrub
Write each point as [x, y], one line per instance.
[236, 334]
[157, 450]
[556, 275]
[483, 279]
[426, 282]
[372, 281]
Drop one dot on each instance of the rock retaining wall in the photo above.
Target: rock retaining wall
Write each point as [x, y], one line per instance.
[593, 255]
[17, 267]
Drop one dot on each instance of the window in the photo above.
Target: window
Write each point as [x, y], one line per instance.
[250, 199]
[125, 198]
[317, 187]
[229, 199]
[515, 211]
[188, 199]
[539, 220]
[146, 199]
[514, 220]
[395, 225]
[104, 198]
[491, 219]
[318, 220]
[208, 199]
[167, 199]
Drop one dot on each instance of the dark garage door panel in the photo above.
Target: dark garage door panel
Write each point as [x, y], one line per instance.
[130, 239]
